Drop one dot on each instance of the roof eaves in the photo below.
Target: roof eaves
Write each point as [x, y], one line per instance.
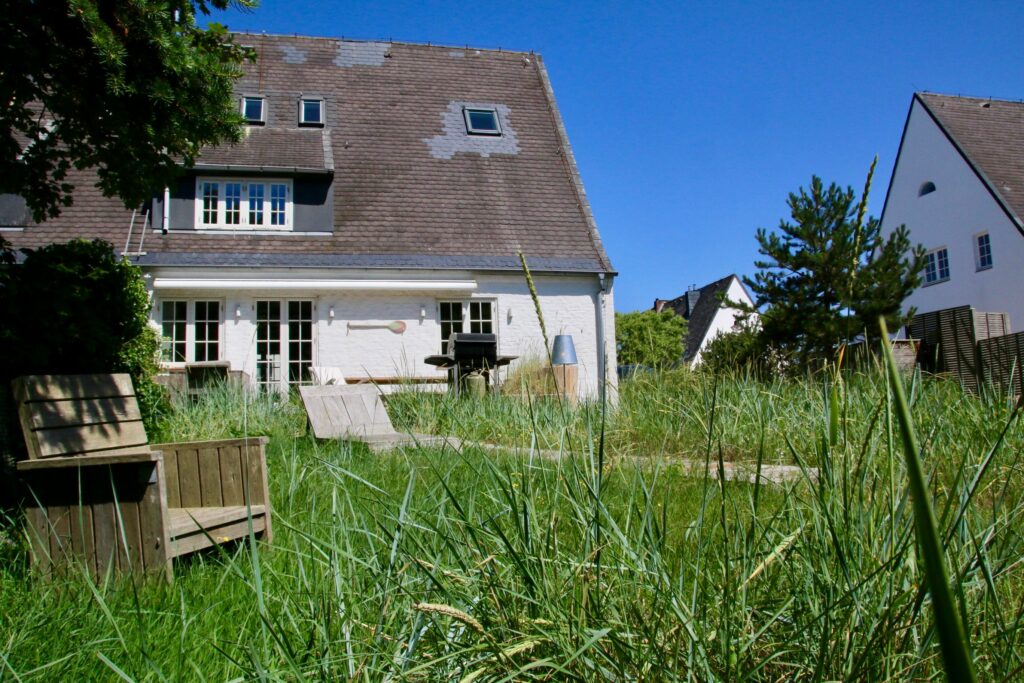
[243, 168]
[570, 164]
[896, 164]
[1014, 218]
[367, 261]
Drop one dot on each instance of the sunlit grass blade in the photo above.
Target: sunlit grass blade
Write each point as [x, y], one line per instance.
[952, 639]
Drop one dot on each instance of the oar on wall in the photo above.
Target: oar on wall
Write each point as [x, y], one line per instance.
[396, 326]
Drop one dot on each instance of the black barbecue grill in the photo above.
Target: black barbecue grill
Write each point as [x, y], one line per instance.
[470, 352]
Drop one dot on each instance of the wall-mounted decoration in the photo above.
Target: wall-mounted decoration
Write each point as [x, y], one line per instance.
[396, 326]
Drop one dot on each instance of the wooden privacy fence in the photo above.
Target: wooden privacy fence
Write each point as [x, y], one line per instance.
[1002, 361]
[953, 340]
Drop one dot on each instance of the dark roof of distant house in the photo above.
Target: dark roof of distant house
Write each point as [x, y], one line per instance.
[698, 306]
[990, 136]
[409, 184]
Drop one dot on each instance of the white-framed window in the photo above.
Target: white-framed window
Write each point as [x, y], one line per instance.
[174, 329]
[244, 203]
[481, 121]
[206, 325]
[254, 109]
[473, 315]
[936, 266]
[983, 251]
[311, 111]
[191, 330]
[284, 343]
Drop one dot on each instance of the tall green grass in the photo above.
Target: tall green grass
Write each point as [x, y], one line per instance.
[484, 566]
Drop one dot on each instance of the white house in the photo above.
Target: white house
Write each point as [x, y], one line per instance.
[707, 313]
[377, 203]
[958, 186]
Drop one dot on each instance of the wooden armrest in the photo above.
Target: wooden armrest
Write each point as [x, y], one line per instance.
[215, 443]
[90, 460]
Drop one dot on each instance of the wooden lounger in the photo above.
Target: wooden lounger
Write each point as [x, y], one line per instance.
[101, 494]
[355, 412]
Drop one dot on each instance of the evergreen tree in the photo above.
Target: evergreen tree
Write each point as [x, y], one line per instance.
[827, 276]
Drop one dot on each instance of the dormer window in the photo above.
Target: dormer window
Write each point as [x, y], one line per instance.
[253, 110]
[243, 204]
[480, 121]
[311, 111]
[926, 188]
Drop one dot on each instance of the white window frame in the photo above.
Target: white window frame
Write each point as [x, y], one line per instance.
[282, 383]
[194, 328]
[172, 341]
[190, 328]
[263, 109]
[244, 209]
[473, 130]
[466, 322]
[302, 111]
[932, 257]
[978, 264]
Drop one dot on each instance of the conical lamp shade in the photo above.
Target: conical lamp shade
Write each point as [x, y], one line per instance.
[563, 352]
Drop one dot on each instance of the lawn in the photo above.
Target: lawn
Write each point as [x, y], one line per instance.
[564, 560]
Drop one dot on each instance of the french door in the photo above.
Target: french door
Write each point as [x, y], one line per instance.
[284, 343]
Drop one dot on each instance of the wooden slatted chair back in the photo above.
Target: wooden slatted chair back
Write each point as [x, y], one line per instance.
[346, 410]
[74, 415]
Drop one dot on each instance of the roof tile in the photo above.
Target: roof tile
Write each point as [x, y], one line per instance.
[392, 196]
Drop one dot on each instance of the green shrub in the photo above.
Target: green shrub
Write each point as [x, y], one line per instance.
[76, 308]
[649, 338]
[744, 350]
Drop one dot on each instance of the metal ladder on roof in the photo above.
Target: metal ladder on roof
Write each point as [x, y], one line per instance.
[142, 238]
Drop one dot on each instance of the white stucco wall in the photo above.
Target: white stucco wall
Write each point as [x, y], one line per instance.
[725, 318]
[568, 303]
[951, 216]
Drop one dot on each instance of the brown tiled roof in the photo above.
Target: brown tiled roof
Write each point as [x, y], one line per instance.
[404, 184]
[990, 135]
[274, 148]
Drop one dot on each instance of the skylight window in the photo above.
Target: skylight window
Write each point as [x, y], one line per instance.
[252, 110]
[311, 111]
[481, 121]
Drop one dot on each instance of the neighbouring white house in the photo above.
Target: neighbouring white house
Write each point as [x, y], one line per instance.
[376, 204]
[707, 311]
[958, 186]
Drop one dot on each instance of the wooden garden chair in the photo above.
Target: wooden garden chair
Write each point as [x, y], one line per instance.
[356, 412]
[100, 494]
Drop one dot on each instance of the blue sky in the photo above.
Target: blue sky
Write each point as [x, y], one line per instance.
[691, 122]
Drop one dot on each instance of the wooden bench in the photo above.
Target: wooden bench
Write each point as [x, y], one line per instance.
[100, 494]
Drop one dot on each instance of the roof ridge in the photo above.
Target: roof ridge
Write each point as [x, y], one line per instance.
[969, 97]
[390, 41]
